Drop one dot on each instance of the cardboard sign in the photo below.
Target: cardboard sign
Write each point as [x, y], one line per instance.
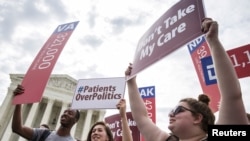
[203, 63]
[40, 70]
[114, 122]
[98, 93]
[178, 26]
[148, 96]
[240, 58]
[198, 50]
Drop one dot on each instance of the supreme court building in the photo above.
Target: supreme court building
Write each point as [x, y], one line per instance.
[56, 98]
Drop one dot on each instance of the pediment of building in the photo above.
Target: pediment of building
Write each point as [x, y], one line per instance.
[59, 81]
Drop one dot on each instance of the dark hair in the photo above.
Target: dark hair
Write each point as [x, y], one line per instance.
[106, 127]
[77, 116]
[201, 106]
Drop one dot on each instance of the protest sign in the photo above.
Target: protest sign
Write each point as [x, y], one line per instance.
[114, 123]
[38, 74]
[240, 58]
[203, 63]
[148, 96]
[176, 27]
[98, 93]
[199, 49]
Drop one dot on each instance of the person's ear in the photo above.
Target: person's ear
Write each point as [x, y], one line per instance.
[198, 118]
[76, 120]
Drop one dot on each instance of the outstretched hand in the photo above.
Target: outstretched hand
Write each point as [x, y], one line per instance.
[128, 70]
[128, 73]
[210, 28]
[121, 105]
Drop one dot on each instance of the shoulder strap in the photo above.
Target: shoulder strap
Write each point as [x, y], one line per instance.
[44, 135]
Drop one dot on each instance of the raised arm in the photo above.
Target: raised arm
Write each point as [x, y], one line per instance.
[126, 133]
[231, 97]
[17, 126]
[145, 125]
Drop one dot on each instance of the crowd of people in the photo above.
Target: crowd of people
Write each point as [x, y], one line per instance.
[99, 131]
[189, 120]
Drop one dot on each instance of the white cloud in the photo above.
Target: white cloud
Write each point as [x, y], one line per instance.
[105, 40]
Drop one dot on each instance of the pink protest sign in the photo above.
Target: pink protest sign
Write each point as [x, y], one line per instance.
[203, 63]
[198, 50]
[40, 70]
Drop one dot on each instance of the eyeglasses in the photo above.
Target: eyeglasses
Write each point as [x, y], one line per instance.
[179, 109]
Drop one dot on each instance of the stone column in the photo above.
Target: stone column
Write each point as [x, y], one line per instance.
[6, 110]
[64, 107]
[47, 112]
[32, 115]
[8, 132]
[30, 118]
[101, 115]
[87, 123]
[5, 105]
[6, 113]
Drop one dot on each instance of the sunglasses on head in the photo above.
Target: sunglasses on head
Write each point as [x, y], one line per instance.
[179, 109]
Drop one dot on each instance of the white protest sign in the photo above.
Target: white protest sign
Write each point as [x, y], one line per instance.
[98, 93]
